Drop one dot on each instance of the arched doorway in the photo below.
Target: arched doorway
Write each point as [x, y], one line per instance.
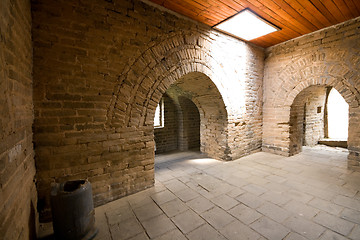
[311, 120]
[201, 117]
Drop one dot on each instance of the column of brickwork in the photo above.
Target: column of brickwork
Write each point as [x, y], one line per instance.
[18, 200]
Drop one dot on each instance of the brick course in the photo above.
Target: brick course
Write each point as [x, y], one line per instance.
[166, 137]
[18, 200]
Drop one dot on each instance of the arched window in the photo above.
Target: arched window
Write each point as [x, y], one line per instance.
[159, 115]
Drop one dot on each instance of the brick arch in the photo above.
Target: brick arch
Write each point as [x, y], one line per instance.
[202, 92]
[349, 96]
[320, 68]
[147, 77]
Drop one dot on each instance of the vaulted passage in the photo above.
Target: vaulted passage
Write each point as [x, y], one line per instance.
[194, 118]
[319, 114]
[307, 118]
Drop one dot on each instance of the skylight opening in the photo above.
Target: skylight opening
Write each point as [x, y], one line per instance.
[246, 25]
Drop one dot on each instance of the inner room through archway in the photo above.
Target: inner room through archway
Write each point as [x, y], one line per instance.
[191, 115]
[319, 115]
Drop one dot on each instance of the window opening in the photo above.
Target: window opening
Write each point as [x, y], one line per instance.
[338, 116]
[159, 115]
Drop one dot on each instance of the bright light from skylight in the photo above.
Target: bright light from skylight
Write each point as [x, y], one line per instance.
[246, 25]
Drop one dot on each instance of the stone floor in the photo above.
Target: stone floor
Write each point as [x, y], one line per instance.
[262, 196]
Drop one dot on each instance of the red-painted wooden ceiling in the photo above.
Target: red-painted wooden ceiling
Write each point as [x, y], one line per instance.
[294, 17]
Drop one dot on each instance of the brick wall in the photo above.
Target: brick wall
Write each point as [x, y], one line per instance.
[191, 125]
[18, 198]
[329, 57]
[166, 138]
[101, 67]
[314, 114]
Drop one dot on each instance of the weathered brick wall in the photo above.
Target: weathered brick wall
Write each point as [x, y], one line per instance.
[329, 57]
[18, 198]
[314, 114]
[101, 67]
[166, 138]
[191, 124]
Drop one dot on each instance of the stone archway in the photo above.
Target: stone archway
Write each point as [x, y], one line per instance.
[323, 68]
[141, 86]
[199, 89]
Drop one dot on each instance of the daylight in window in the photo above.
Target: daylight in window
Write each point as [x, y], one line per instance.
[338, 116]
[159, 115]
[246, 25]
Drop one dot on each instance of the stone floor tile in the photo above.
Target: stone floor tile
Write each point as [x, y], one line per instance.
[200, 204]
[270, 229]
[304, 227]
[187, 194]
[320, 193]
[225, 202]
[301, 209]
[172, 235]
[235, 193]
[237, 230]
[97, 237]
[342, 190]
[259, 180]
[334, 223]
[347, 202]
[275, 178]
[351, 215]
[174, 185]
[174, 207]
[139, 199]
[188, 221]
[102, 225]
[141, 236]
[164, 177]
[221, 188]
[276, 187]
[236, 181]
[274, 212]
[254, 189]
[118, 215]
[355, 233]
[298, 196]
[157, 226]
[275, 197]
[147, 211]
[332, 235]
[245, 214]
[250, 200]
[326, 206]
[217, 217]
[163, 197]
[205, 232]
[126, 229]
[295, 236]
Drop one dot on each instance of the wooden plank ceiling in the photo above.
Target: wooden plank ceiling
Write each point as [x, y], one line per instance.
[294, 17]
